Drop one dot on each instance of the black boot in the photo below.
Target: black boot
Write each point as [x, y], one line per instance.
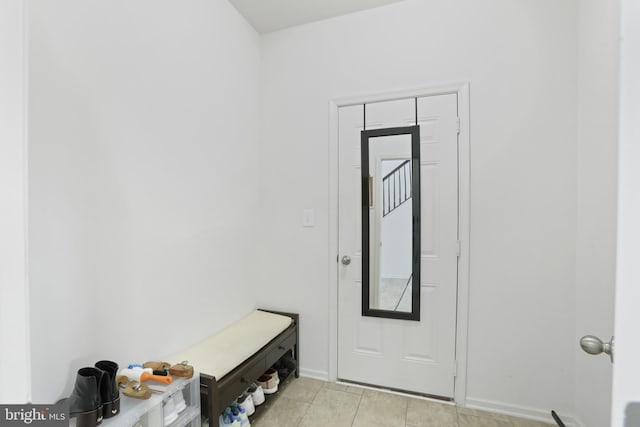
[85, 403]
[109, 389]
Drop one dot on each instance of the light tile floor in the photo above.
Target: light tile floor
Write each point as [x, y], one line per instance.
[305, 402]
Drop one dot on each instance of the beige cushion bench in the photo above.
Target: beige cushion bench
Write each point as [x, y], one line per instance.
[233, 358]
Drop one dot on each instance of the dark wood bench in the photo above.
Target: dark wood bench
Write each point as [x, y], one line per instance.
[217, 394]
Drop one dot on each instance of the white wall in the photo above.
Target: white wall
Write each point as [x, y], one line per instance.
[14, 307]
[596, 198]
[141, 115]
[521, 60]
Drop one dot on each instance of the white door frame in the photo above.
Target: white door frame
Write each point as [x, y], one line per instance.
[462, 312]
[15, 365]
[626, 368]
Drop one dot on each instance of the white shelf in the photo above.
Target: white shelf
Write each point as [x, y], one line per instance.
[187, 417]
[149, 412]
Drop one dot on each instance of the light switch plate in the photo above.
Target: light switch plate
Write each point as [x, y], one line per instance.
[308, 219]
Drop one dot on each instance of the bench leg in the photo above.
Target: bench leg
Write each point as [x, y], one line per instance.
[212, 408]
[297, 360]
[297, 346]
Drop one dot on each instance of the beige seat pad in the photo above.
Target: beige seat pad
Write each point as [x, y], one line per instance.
[221, 353]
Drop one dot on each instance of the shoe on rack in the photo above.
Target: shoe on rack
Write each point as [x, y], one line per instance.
[85, 402]
[233, 415]
[240, 413]
[169, 411]
[256, 393]
[246, 401]
[109, 392]
[274, 375]
[228, 421]
[182, 370]
[158, 368]
[269, 386]
[133, 388]
[178, 398]
[285, 366]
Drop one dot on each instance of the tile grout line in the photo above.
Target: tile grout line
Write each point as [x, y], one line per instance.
[459, 411]
[303, 415]
[406, 410]
[357, 409]
[306, 411]
[406, 415]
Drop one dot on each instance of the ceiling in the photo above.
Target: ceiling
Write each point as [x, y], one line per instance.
[273, 15]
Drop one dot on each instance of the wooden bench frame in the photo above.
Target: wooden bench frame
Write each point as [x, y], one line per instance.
[215, 395]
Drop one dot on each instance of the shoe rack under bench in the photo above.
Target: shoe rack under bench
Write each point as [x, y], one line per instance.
[216, 395]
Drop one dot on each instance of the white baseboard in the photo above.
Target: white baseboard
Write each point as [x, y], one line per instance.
[312, 373]
[520, 411]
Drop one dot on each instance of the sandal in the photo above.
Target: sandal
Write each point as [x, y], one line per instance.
[182, 369]
[133, 388]
[159, 368]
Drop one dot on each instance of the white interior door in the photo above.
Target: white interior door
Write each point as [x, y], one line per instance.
[417, 356]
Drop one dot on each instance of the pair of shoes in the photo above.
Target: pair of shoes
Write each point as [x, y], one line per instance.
[173, 406]
[245, 401]
[169, 411]
[226, 421]
[256, 393]
[178, 398]
[158, 368]
[133, 388]
[269, 381]
[285, 366]
[182, 370]
[234, 416]
[137, 373]
[95, 394]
